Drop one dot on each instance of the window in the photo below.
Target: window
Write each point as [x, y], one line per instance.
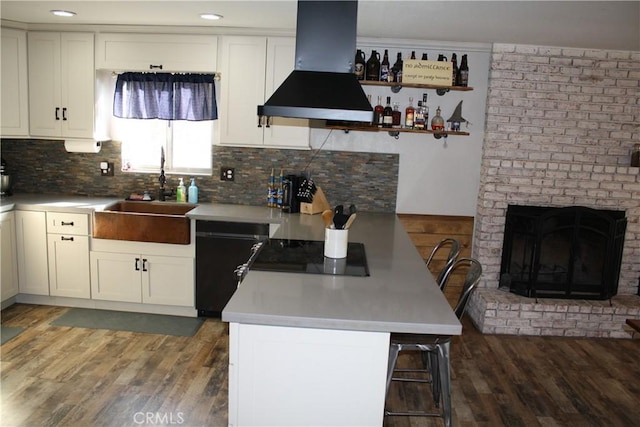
[174, 111]
[187, 145]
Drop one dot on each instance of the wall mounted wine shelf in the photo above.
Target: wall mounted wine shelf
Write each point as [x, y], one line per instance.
[396, 87]
[393, 132]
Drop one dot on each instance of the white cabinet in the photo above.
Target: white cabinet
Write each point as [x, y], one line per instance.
[31, 244]
[116, 277]
[9, 265]
[252, 68]
[156, 52]
[280, 375]
[142, 278]
[61, 84]
[14, 93]
[68, 249]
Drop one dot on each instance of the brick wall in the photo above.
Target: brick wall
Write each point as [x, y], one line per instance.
[561, 124]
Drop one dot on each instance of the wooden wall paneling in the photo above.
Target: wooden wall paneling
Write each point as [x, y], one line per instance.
[426, 231]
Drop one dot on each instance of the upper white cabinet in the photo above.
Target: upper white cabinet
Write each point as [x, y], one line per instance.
[15, 102]
[156, 52]
[61, 84]
[252, 69]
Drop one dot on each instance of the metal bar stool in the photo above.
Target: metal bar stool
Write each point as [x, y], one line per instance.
[454, 251]
[434, 351]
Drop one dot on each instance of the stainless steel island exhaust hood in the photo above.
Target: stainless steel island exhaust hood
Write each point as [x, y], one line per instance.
[322, 85]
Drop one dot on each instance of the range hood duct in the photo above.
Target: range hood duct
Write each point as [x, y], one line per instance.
[322, 85]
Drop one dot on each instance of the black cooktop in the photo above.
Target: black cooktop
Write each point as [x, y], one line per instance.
[307, 256]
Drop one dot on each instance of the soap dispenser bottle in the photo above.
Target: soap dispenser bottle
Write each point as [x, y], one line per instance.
[193, 192]
[181, 193]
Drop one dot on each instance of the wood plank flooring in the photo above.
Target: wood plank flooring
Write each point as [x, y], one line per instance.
[61, 376]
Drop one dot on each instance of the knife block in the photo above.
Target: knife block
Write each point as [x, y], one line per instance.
[317, 205]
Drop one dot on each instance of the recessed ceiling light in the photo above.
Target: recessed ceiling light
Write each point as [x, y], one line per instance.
[64, 13]
[210, 16]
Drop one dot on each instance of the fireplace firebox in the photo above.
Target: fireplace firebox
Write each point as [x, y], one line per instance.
[572, 252]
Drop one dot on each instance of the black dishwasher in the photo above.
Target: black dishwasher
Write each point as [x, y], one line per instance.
[221, 247]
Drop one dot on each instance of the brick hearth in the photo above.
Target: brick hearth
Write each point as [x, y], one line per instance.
[500, 312]
[561, 124]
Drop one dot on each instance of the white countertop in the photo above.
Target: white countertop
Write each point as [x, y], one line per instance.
[400, 295]
[54, 203]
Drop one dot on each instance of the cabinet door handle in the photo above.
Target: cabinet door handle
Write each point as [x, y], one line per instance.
[67, 223]
[144, 264]
[155, 67]
[70, 239]
[64, 113]
[57, 113]
[137, 264]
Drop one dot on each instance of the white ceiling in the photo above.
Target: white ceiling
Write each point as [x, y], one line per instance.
[590, 24]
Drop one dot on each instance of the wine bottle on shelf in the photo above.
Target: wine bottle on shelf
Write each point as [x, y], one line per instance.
[413, 54]
[397, 69]
[425, 110]
[437, 123]
[372, 71]
[454, 76]
[425, 57]
[384, 67]
[396, 116]
[418, 118]
[387, 118]
[378, 113]
[463, 72]
[409, 115]
[359, 65]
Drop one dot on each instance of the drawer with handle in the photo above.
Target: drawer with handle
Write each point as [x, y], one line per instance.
[67, 223]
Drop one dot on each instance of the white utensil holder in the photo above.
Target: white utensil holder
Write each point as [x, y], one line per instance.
[335, 242]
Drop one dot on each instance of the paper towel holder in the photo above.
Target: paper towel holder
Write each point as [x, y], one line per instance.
[82, 146]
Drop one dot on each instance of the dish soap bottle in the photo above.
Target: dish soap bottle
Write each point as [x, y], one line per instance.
[181, 193]
[193, 192]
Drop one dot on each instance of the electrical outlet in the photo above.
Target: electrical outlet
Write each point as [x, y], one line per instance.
[106, 168]
[227, 174]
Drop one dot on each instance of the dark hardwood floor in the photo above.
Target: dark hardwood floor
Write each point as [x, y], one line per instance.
[61, 376]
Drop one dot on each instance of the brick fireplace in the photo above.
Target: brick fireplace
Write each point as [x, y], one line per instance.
[561, 123]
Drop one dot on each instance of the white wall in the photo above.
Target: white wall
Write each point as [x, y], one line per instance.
[437, 176]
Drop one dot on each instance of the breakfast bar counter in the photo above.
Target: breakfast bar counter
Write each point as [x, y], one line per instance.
[312, 349]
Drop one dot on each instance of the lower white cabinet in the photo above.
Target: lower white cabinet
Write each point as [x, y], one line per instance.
[31, 244]
[280, 376]
[9, 265]
[141, 278]
[69, 266]
[68, 249]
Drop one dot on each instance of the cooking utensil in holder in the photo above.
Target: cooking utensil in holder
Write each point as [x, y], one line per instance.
[335, 242]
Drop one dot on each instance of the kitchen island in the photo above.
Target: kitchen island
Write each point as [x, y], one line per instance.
[312, 349]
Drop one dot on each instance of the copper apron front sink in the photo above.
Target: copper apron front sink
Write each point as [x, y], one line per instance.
[157, 222]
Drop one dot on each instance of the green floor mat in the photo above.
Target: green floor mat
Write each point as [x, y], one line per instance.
[132, 322]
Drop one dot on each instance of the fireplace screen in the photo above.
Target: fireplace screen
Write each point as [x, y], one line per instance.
[572, 252]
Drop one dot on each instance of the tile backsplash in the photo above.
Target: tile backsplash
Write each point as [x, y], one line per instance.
[369, 180]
